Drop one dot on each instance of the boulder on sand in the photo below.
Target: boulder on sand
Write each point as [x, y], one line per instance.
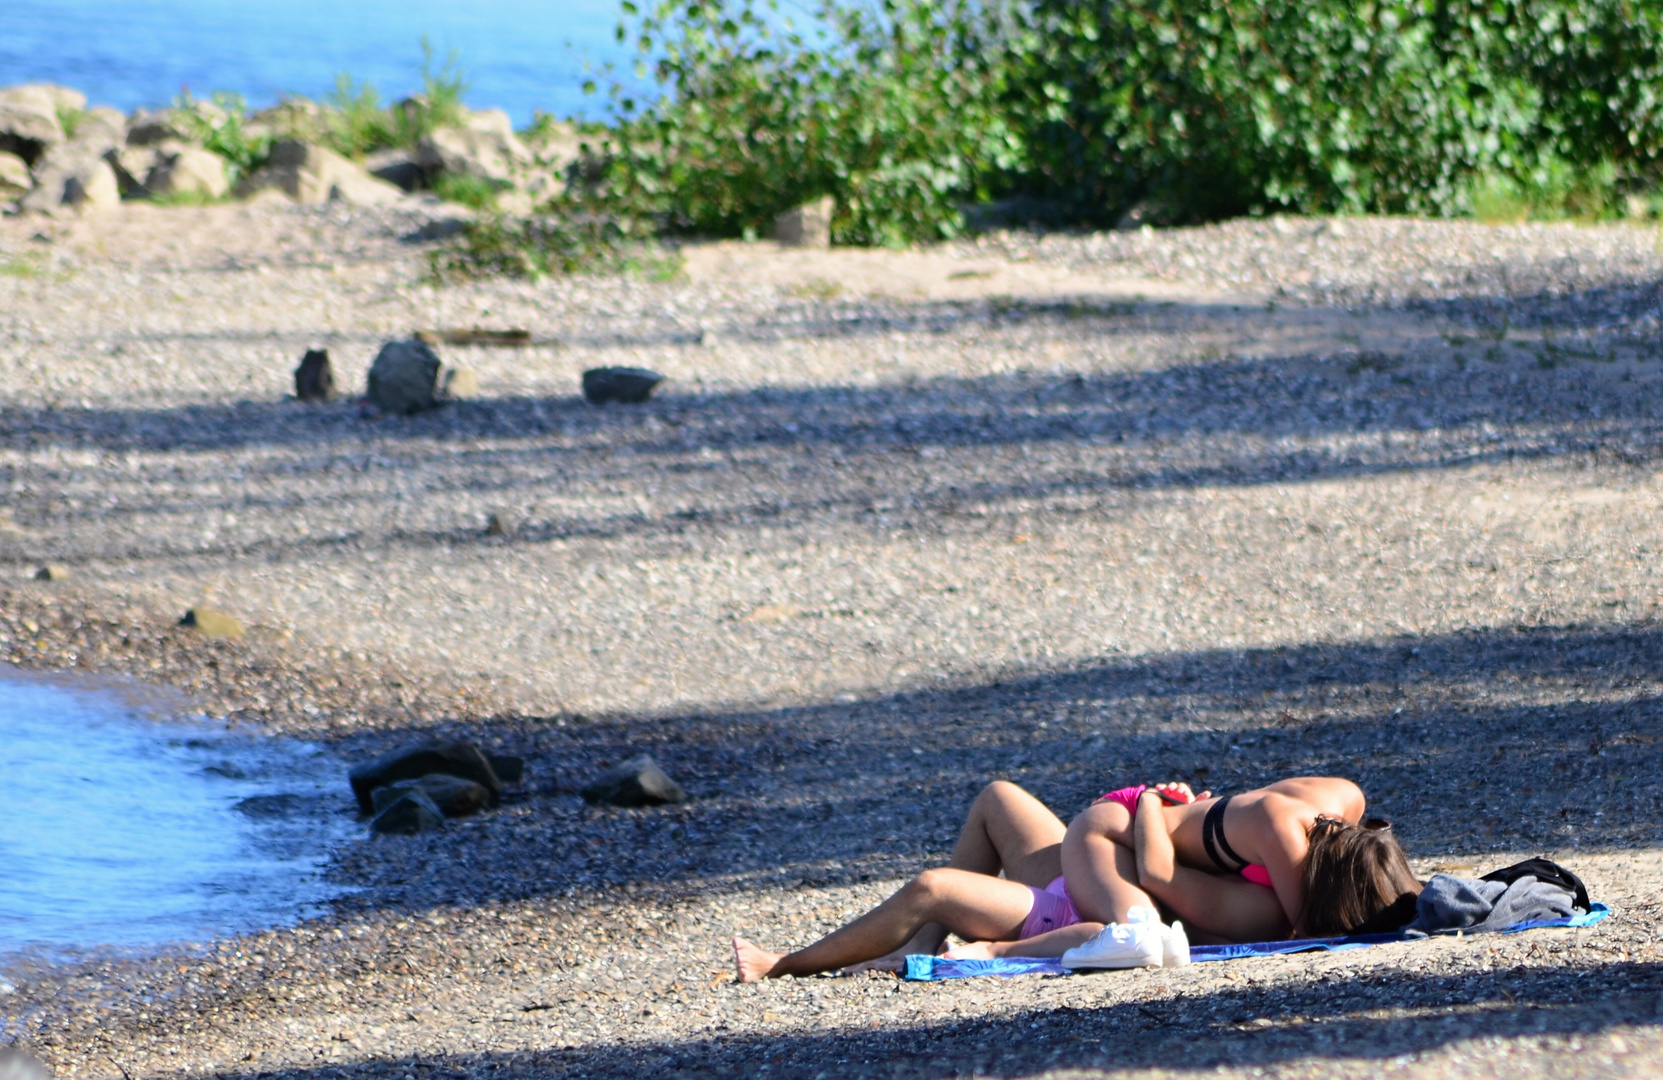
[412, 812]
[462, 759]
[637, 782]
[454, 796]
[81, 184]
[311, 174]
[484, 152]
[191, 171]
[404, 378]
[29, 124]
[808, 225]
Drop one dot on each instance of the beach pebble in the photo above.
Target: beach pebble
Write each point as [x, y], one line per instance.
[215, 624]
[410, 813]
[629, 385]
[637, 782]
[314, 379]
[403, 379]
[454, 796]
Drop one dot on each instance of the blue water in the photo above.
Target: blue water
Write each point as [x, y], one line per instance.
[521, 55]
[119, 830]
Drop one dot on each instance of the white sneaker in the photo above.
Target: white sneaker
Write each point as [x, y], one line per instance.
[1139, 942]
[1175, 946]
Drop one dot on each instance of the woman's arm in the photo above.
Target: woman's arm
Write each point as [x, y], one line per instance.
[1224, 906]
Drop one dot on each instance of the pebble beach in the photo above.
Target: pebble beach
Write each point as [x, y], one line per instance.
[1367, 497]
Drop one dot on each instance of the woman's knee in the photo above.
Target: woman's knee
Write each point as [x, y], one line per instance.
[1108, 820]
[930, 885]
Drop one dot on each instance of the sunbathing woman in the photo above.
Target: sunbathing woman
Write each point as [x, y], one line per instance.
[1031, 911]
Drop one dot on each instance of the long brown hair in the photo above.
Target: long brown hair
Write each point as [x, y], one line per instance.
[1355, 878]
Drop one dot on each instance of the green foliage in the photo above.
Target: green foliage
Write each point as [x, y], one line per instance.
[474, 191]
[357, 123]
[440, 104]
[70, 120]
[220, 125]
[541, 247]
[890, 109]
[1230, 106]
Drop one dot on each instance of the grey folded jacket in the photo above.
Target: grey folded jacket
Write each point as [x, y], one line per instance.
[1451, 903]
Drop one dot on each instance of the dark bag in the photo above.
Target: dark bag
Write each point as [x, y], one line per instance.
[1544, 869]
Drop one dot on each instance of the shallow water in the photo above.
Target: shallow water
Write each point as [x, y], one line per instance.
[120, 830]
[519, 54]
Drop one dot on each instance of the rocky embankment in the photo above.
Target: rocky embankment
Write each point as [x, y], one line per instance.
[59, 156]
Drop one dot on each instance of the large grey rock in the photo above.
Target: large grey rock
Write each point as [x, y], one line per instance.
[509, 769]
[313, 174]
[404, 378]
[808, 225]
[64, 98]
[314, 379]
[14, 175]
[454, 796]
[412, 812]
[100, 131]
[629, 385]
[147, 128]
[485, 153]
[84, 184]
[396, 167]
[29, 123]
[191, 171]
[461, 759]
[637, 782]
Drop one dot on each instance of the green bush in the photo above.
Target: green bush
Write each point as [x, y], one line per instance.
[1218, 107]
[890, 110]
[220, 124]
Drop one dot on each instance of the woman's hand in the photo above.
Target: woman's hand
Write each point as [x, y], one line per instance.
[1177, 792]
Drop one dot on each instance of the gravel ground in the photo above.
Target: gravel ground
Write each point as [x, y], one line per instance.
[1372, 497]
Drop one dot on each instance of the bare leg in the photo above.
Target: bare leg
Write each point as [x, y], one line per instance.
[973, 905]
[1051, 943]
[1006, 830]
[1101, 867]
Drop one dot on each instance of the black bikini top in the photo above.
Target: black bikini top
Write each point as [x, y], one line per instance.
[1212, 838]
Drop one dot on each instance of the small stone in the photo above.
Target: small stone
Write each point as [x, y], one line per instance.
[314, 379]
[454, 796]
[459, 384]
[214, 624]
[500, 523]
[808, 225]
[421, 759]
[404, 378]
[52, 572]
[629, 385]
[412, 812]
[637, 782]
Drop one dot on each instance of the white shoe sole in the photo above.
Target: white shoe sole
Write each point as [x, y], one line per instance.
[1110, 963]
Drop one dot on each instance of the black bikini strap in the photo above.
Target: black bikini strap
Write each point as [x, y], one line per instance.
[1212, 838]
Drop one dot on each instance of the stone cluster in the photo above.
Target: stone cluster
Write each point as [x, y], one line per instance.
[59, 156]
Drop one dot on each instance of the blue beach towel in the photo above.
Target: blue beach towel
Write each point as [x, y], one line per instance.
[931, 968]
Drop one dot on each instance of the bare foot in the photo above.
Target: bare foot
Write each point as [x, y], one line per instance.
[974, 950]
[752, 962]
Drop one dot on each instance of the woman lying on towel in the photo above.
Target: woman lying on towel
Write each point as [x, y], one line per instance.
[1291, 858]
